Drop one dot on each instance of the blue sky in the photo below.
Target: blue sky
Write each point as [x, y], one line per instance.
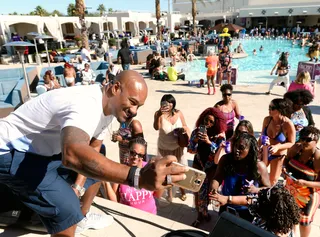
[23, 6]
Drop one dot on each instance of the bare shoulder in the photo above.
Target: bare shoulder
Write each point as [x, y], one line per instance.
[72, 135]
[288, 123]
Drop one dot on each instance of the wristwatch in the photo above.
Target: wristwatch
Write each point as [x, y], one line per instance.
[229, 199]
[80, 189]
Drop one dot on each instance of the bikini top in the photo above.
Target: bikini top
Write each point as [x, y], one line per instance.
[280, 136]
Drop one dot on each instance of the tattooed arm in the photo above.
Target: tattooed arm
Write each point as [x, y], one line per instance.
[78, 155]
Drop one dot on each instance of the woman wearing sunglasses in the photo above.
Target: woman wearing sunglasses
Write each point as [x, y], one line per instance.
[140, 199]
[204, 141]
[241, 173]
[281, 135]
[282, 70]
[301, 116]
[229, 108]
[303, 170]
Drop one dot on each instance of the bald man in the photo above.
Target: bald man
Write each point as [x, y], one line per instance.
[58, 135]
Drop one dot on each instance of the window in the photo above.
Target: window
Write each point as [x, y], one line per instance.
[69, 28]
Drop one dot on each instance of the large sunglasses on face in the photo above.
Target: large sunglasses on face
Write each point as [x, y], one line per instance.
[306, 139]
[135, 154]
[226, 94]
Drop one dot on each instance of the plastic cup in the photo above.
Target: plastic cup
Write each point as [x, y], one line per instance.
[241, 117]
[228, 147]
[264, 139]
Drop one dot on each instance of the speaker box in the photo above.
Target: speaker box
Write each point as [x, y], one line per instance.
[229, 225]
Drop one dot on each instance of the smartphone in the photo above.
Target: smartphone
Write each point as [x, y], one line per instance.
[232, 211]
[202, 129]
[194, 180]
[290, 175]
[164, 103]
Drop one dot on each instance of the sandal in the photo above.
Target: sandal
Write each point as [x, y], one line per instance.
[196, 223]
[183, 197]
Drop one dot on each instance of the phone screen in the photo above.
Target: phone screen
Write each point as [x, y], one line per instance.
[164, 103]
[202, 129]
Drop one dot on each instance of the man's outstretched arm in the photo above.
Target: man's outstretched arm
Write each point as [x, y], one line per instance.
[78, 155]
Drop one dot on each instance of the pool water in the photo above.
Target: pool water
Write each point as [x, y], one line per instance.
[266, 59]
[252, 66]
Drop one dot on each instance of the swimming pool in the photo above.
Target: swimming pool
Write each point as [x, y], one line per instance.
[250, 65]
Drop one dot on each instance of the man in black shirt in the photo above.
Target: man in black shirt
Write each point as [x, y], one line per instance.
[125, 56]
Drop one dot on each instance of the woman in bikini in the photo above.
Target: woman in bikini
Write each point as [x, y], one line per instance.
[281, 133]
[50, 81]
[225, 64]
[229, 108]
[303, 162]
[212, 62]
[168, 121]
[282, 69]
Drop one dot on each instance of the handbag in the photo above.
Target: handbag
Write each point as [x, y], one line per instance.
[183, 138]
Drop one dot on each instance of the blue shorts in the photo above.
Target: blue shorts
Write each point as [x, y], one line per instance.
[43, 184]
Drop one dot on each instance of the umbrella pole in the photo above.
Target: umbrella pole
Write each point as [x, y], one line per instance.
[37, 54]
[26, 79]
[46, 46]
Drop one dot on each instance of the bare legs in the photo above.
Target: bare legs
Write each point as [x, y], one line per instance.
[275, 170]
[211, 79]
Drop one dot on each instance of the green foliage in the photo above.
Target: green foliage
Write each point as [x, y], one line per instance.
[40, 11]
[71, 10]
[112, 42]
[57, 12]
[101, 8]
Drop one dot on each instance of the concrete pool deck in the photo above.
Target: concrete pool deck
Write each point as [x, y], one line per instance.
[253, 104]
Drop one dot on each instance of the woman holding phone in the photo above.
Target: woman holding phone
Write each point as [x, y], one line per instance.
[169, 121]
[303, 171]
[205, 140]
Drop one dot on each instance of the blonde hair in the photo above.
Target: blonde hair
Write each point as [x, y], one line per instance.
[303, 78]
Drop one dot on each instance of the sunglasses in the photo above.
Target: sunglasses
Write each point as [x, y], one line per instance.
[272, 107]
[207, 120]
[135, 154]
[226, 94]
[241, 148]
[306, 139]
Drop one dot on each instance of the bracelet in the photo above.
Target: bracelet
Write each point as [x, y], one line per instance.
[131, 176]
[136, 178]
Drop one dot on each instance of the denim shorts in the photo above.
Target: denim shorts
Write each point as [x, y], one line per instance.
[43, 184]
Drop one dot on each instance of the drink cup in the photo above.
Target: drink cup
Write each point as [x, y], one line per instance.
[241, 117]
[228, 147]
[264, 139]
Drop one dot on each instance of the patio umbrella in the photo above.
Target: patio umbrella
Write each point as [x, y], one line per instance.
[45, 39]
[20, 47]
[35, 34]
[231, 27]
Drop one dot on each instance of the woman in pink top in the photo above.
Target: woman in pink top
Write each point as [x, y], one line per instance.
[303, 82]
[141, 199]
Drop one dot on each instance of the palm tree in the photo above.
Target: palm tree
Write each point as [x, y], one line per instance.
[158, 15]
[80, 11]
[101, 8]
[40, 11]
[194, 12]
[71, 9]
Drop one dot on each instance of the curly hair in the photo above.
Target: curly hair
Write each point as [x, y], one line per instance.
[220, 124]
[284, 106]
[300, 95]
[225, 87]
[252, 157]
[310, 130]
[278, 208]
